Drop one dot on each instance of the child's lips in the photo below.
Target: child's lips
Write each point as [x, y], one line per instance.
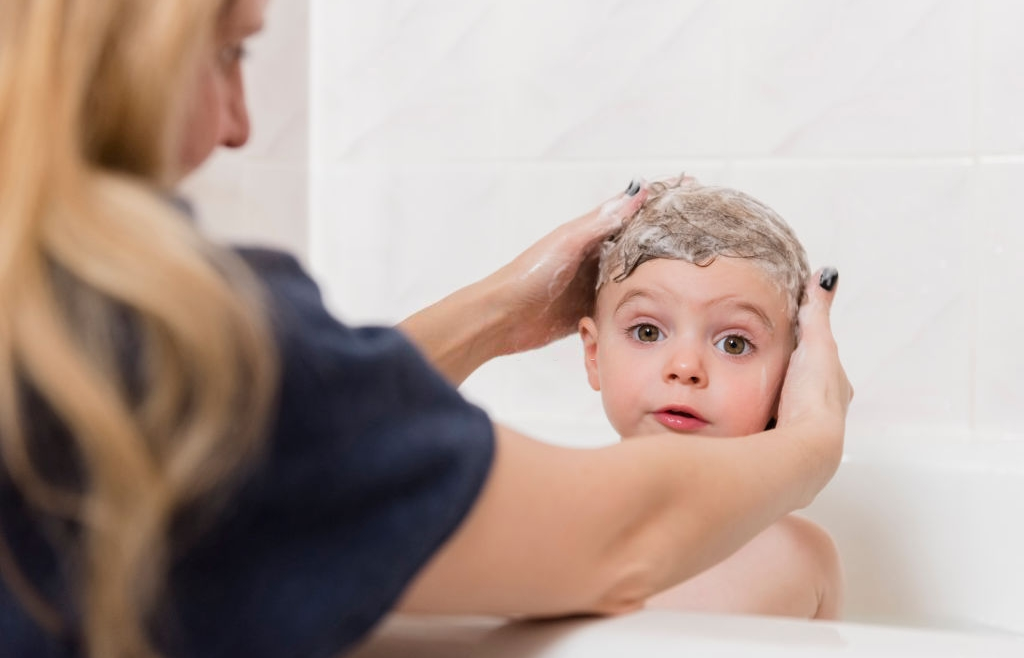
[680, 418]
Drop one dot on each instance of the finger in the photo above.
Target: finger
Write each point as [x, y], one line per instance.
[610, 215]
[820, 293]
[629, 202]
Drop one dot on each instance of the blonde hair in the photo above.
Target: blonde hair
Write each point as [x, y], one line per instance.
[92, 99]
[684, 220]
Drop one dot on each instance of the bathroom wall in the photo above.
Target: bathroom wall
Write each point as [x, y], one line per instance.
[434, 139]
[447, 134]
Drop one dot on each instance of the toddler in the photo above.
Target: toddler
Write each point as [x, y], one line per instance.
[693, 326]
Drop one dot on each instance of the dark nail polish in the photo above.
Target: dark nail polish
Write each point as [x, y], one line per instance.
[633, 188]
[828, 279]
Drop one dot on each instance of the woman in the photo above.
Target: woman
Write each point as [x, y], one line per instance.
[196, 459]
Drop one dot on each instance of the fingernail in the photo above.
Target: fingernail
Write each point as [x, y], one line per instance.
[828, 279]
[633, 187]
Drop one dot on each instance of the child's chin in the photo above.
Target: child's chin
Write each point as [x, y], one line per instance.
[658, 428]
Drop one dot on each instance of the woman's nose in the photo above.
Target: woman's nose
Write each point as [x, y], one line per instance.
[235, 124]
[685, 366]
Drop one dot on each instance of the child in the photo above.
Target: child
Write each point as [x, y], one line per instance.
[692, 330]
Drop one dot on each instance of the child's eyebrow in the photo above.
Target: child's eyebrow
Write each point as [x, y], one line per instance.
[746, 306]
[734, 301]
[632, 295]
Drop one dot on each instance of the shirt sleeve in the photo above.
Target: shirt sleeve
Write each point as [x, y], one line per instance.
[373, 462]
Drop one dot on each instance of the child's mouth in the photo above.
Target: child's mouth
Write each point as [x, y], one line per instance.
[680, 419]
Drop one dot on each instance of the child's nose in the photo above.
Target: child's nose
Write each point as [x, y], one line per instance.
[685, 366]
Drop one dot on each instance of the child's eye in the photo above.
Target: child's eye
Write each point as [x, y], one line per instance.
[734, 345]
[646, 333]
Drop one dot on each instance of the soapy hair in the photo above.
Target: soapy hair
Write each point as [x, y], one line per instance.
[136, 361]
[684, 220]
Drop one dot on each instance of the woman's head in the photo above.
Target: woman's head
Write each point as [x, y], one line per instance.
[144, 87]
[217, 114]
[685, 220]
[104, 104]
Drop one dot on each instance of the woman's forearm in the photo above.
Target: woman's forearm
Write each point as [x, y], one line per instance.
[559, 531]
[462, 331]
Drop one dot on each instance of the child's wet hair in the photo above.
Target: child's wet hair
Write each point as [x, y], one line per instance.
[684, 220]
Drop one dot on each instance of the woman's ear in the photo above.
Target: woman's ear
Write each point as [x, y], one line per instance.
[588, 333]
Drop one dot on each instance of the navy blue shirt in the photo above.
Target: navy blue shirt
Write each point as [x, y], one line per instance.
[373, 461]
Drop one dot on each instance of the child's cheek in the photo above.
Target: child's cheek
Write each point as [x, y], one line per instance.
[620, 407]
[751, 406]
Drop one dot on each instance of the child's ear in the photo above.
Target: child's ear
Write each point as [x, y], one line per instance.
[588, 332]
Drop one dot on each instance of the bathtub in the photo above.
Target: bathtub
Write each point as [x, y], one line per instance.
[931, 532]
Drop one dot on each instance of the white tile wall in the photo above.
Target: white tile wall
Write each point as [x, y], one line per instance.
[838, 78]
[399, 138]
[1000, 95]
[998, 246]
[431, 81]
[447, 134]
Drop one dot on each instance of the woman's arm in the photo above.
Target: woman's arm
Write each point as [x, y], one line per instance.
[538, 297]
[558, 531]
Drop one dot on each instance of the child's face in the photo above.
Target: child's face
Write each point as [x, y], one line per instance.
[695, 350]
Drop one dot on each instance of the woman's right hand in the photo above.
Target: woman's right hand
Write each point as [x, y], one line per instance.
[547, 289]
[538, 297]
[816, 390]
